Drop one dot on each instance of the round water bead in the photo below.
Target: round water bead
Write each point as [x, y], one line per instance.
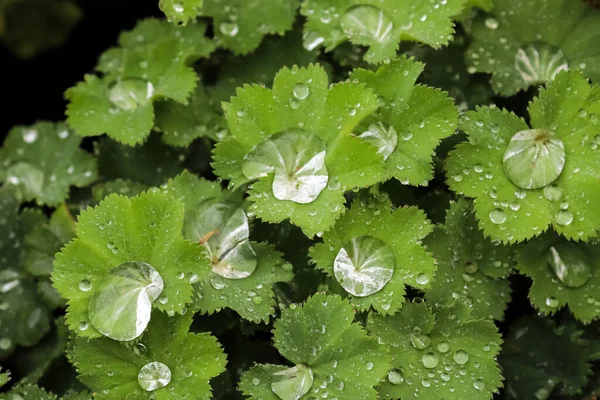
[534, 158]
[570, 264]
[292, 383]
[382, 137]
[539, 62]
[129, 94]
[222, 227]
[154, 375]
[366, 24]
[121, 306]
[297, 159]
[364, 265]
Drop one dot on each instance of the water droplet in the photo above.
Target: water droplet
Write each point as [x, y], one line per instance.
[364, 265]
[422, 279]
[257, 300]
[443, 347]
[121, 306]
[534, 158]
[367, 24]
[539, 62]
[552, 192]
[383, 137]
[301, 91]
[419, 341]
[479, 384]
[478, 168]
[491, 23]
[30, 135]
[498, 216]
[430, 360]
[229, 28]
[297, 159]
[154, 375]
[563, 217]
[256, 381]
[129, 94]
[83, 326]
[140, 349]
[570, 264]
[292, 383]
[312, 40]
[395, 377]
[85, 285]
[461, 357]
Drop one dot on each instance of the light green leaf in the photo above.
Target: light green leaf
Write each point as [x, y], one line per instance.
[180, 11]
[526, 43]
[320, 334]
[4, 378]
[192, 360]
[438, 353]
[240, 25]
[419, 117]
[27, 392]
[146, 229]
[568, 109]
[43, 160]
[380, 25]
[470, 267]
[400, 231]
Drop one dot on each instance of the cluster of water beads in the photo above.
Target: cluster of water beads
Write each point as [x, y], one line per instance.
[121, 306]
[128, 94]
[153, 376]
[292, 383]
[222, 227]
[297, 159]
[364, 266]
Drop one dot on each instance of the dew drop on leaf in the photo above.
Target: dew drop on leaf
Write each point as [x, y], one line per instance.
[367, 24]
[120, 307]
[292, 383]
[229, 28]
[563, 217]
[497, 216]
[534, 158]
[419, 341]
[570, 264]
[297, 158]
[129, 94]
[312, 40]
[479, 384]
[491, 23]
[154, 375]
[443, 347]
[364, 265]
[552, 302]
[430, 360]
[301, 91]
[539, 63]
[382, 137]
[552, 192]
[461, 357]
[395, 377]
[85, 285]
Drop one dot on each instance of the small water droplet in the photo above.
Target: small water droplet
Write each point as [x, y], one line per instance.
[301, 91]
[422, 279]
[552, 302]
[498, 216]
[229, 28]
[419, 341]
[443, 347]
[491, 23]
[85, 285]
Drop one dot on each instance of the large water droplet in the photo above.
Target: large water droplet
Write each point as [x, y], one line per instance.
[366, 25]
[364, 266]
[297, 158]
[154, 375]
[292, 383]
[129, 94]
[491, 23]
[430, 360]
[395, 377]
[552, 302]
[461, 357]
[563, 217]
[570, 264]
[222, 227]
[420, 341]
[552, 192]
[85, 285]
[385, 139]
[311, 40]
[301, 91]
[120, 307]
[539, 63]
[497, 216]
[534, 158]
[229, 28]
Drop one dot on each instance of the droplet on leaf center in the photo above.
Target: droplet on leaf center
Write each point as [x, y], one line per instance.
[129, 94]
[154, 375]
[292, 383]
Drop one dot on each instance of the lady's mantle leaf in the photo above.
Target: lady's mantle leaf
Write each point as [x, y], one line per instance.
[442, 353]
[311, 124]
[526, 43]
[320, 335]
[250, 296]
[180, 11]
[143, 230]
[563, 273]
[565, 113]
[43, 160]
[116, 370]
[27, 392]
[540, 359]
[151, 63]
[415, 119]
[399, 231]
[380, 25]
[240, 24]
[470, 267]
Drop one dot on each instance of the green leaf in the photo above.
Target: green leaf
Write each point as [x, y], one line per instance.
[379, 25]
[240, 25]
[568, 111]
[261, 65]
[470, 267]
[150, 164]
[303, 111]
[320, 334]
[539, 359]
[400, 231]
[192, 360]
[24, 319]
[27, 392]
[125, 187]
[143, 229]
[4, 378]
[252, 296]
[152, 62]
[568, 284]
[43, 160]
[181, 124]
[525, 44]
[418, 118]
[440, 353]
[180, 11]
